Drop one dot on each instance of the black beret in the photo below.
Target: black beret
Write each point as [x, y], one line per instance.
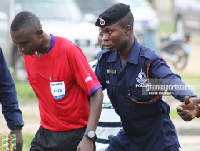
[112, 15]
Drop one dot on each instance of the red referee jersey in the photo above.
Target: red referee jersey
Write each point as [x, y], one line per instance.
[62, 79]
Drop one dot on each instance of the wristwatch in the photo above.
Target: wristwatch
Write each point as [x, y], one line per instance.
[90, 134]
[198, 107]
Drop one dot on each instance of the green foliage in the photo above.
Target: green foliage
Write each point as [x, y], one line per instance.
[25, 92]
[174, 114]
[27, 137]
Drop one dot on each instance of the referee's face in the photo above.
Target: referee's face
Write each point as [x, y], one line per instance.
[28, 41]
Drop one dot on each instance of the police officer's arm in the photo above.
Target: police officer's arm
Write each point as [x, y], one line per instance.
[160, 70]
[9, 101]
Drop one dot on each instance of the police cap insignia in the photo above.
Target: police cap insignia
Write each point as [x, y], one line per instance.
[112, 15]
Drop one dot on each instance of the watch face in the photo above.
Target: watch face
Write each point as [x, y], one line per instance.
[91, 134]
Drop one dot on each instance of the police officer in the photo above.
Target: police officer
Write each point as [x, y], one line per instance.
[126, 69]
[9, 102]
[109, 122]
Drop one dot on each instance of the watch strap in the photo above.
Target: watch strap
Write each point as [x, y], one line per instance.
[87, 135]
[198, 111]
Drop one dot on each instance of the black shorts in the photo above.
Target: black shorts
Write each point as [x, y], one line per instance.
[46, 140]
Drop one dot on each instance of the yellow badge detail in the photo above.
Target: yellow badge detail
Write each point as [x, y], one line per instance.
[110, 71]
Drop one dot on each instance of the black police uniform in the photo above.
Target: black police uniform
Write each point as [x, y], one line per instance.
[145, 118]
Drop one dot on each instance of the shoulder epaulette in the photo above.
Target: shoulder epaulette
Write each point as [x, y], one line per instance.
[151, 55]
[101, 53]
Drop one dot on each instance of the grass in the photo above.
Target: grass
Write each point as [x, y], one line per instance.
[25, 95]
[27, 137]
[173, 114]
[25, 92]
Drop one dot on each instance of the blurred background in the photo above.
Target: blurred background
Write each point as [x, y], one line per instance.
[170, 27]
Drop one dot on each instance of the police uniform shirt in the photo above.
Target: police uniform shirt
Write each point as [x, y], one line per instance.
[142, 123]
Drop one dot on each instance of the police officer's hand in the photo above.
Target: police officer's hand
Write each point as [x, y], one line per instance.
[195, 100]
[19, 139]
[188, 110]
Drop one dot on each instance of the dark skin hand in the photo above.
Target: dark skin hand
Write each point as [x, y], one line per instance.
[188, 110]
[19, 139]
[85, 141]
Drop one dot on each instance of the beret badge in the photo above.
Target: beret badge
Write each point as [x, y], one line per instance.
[102, 21]
[112, 15]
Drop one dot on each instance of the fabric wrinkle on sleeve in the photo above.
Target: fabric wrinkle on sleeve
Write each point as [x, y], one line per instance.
[82, 72]
[160, 70]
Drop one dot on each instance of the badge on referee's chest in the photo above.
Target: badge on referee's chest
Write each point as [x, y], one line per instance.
[58, 89]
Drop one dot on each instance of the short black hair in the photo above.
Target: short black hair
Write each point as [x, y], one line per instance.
[128, 20]
[25, 20]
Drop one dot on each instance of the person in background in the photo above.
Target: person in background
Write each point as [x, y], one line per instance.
[109, 122]
[62, 81]
[185, 45]
[135, 79]
[10, 103]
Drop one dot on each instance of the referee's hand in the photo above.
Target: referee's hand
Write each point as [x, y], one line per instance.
[86, 145]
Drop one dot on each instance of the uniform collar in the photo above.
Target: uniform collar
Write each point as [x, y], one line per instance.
[134, 53]
[133, 56]
[113, 57]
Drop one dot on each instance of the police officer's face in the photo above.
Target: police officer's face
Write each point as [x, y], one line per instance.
[113, 37]
[28, 41]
